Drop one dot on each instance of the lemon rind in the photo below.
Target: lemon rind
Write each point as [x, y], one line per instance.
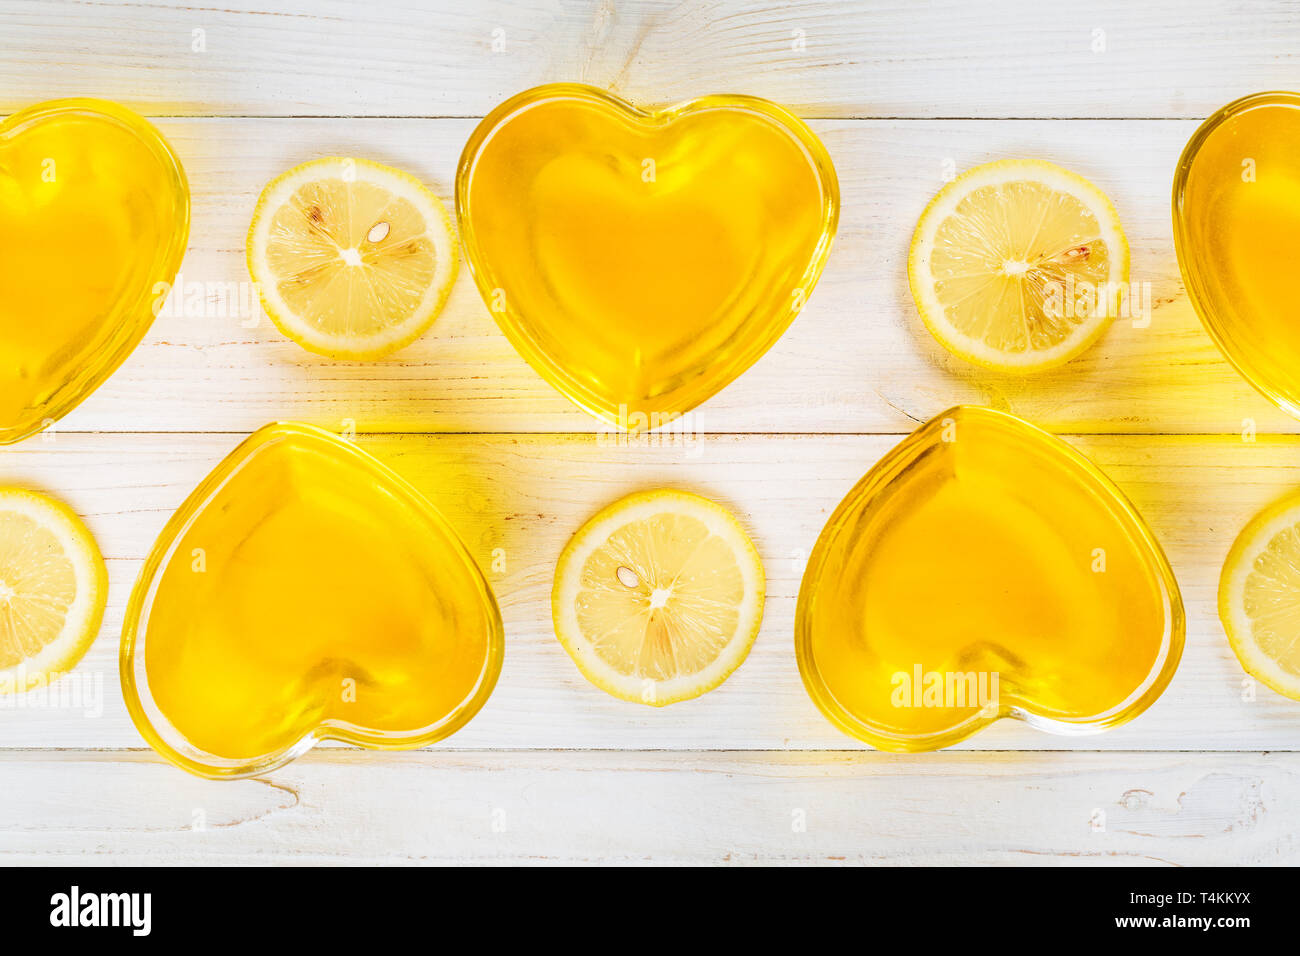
[931, 310]
[85, 614]
[635, 507]
[356, 348]
[1252, 542]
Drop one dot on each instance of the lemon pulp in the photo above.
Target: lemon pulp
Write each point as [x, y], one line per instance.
[659, 597]
[1019, 265]
[53, 587]
[1259, 597]
[353, 259]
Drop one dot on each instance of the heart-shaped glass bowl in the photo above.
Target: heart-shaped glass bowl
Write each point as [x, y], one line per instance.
[304, 591]
[981, 569]
[1236, 212]
[94, 219]
[640, 260]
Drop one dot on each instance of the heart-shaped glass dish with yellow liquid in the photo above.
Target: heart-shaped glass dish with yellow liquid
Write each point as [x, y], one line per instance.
[94, 219]
[304, 591]
[982, 569]
[640, 260]
[1236, 212]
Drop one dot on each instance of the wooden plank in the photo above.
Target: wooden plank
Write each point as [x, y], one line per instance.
[751, 772]
[856, 360]
[839, 58]
[637, 807]
[517, 499]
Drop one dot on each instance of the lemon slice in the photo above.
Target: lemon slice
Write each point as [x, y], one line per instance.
[1259, 596]
[658, 598]
[352, 259]
[53, 586]
[1019, 265]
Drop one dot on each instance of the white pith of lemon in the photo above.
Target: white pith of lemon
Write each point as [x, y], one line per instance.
[352, 259]
[658, 598]
[53, 587]
[1259, 596]
[1018, 265]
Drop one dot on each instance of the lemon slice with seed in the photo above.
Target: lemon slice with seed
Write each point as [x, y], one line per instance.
[352, 259]
[1259, 596]
[1019, 265]
[658, 598]
[53, 586]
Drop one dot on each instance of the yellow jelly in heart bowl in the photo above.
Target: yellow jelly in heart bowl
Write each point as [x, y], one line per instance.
[94, 218]
[640, 260]
[1236, 209]
[984, 569]
[305, 591]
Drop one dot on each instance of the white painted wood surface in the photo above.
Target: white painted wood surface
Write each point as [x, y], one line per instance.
[878, 58]
[553, 770]
[636, 807]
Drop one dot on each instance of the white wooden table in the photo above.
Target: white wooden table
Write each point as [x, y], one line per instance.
[553, 770]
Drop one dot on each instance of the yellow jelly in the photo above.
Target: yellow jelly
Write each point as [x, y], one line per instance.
[94, 217]
[305, 591]
[984, 569]
[641, 260]
[1236, 211]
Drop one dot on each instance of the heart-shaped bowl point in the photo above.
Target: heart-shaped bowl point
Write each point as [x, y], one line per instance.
[94, 219]
[1236, 212]
[640, 260]
[305, 591]
[982, 569]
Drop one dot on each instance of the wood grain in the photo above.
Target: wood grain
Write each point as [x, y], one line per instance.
[638, 807]
[553, 770]
[887, 58]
